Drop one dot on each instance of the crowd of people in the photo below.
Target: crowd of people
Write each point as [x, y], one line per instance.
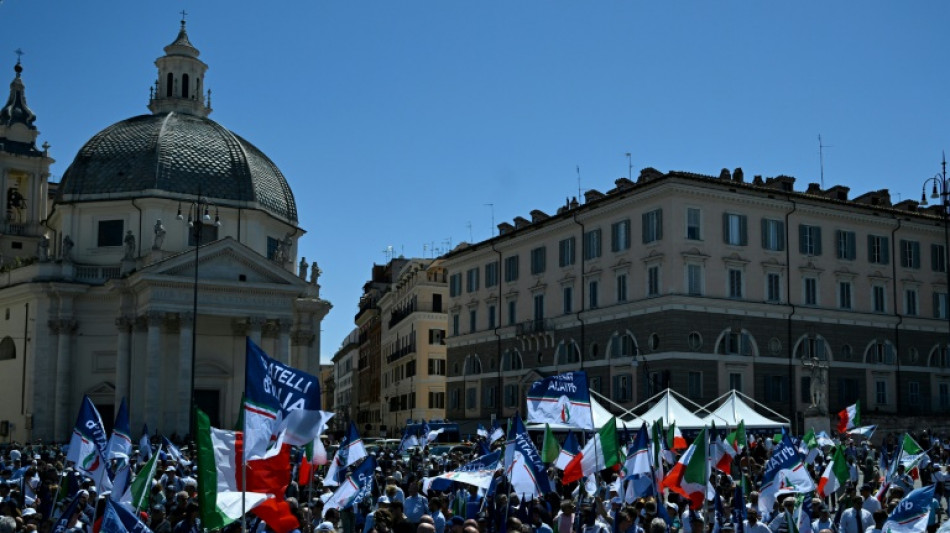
[37, 484]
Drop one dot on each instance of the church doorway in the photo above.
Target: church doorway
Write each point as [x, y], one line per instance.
[209, 401]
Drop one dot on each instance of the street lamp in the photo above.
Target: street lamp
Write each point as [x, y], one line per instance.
[199, 213]
[941, 189]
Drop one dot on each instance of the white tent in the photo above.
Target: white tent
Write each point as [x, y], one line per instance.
[734, 409]
[601, 416]
[670, 410]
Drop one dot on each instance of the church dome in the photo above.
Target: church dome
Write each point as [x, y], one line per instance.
[179, 154]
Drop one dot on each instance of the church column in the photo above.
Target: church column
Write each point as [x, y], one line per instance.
[301, 341]
[66, 327]
[256, 324]
[186, 334]
[123, 359]
[283, 340]
[153, 369]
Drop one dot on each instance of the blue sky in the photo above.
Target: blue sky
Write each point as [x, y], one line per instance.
[396, 122]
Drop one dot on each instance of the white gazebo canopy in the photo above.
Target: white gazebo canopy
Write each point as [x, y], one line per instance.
[734, 410]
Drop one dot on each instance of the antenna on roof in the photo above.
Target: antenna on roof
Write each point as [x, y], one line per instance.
[629, 166]
[492, 206]
[471, 239]
[579, 182]
[821, 159]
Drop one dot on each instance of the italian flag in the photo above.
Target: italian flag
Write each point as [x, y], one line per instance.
[600, 452]
[141, 486]
[674, 438]
[809, 446]
[219, 473]
[721, 454]
[550, 450]
[912, 456]
[849, 417]
[737, 438]
[835, 475]
[689, 476]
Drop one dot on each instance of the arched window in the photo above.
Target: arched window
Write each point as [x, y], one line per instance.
[736, 342]
[473, 365]
[184, 86]
[7, 349]
[567, 353]
[939, 356]
[511, 360]
[880, 352]
[812, 346]
[623, 345]
[169, 85]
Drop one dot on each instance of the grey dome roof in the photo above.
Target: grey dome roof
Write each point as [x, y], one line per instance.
[180, 154]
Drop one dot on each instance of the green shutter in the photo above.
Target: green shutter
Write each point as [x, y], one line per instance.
[885, 253]
[644, 226]
[765, 230]
[743, 230]
[802, 239]
[870, 248]
[781, 235]
[817, 231]
[659, 224]
[915, 252]
[725, 228]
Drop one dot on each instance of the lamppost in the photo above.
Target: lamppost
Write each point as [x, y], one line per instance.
[199, 213]
[941, 189]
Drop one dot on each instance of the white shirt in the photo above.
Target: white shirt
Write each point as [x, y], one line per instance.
[871, 504]
[758, 527]
[848, 522]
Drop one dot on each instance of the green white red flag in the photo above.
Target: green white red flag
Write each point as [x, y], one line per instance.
[600, 452]
[835, 475]
[689, 476]
[849, 417]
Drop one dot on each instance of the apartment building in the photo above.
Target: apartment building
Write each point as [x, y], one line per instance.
[344, 368]
[413, 322]
[706, 284]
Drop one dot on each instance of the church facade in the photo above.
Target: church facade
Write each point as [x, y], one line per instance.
[167, 241]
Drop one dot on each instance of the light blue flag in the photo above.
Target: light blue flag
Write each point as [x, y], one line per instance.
[912, 513]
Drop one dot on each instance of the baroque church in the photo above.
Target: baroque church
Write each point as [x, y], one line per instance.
[167, 241]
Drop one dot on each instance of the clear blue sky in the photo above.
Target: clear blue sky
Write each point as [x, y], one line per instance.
[396, 122]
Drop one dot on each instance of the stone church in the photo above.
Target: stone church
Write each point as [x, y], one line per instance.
[167, 241]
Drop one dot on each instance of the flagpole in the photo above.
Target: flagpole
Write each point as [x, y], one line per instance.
[244, 469]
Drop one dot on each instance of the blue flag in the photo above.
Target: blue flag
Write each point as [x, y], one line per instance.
[120, 443]
[738, 509]
[87, 447]
[62, 523]
[358, 485]
[523, 464]
[174, 452]
[351, 450]
[486, 464]
[117, 518]
[784, 472]
[563, 399]
[145, 444]
[912, 513]
[278, 398]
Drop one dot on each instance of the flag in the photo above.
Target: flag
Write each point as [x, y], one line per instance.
[478, 472]
[434, 434]
[674, 438]
[562, 399]
[219, 470]
[279, 399]
[912, 513]
[600, 452]
[496, 433]
[354, 488]
[849, 417]
[737, 438]
[720, 454]
[351, 450]
[638, 467]
[568, 451]
[523, 466]
[174, 452]
[118, 518]
[121, 484]
[689, 476]
[62, 523]
[835, 475]
[803, 513]
[863, 431]
[738, 509]
[145, 444]
[912, 456]
[482, 432]
[315, 449]
[120, 443]
[809, 446]
[87, 447]
[140, 488]
[784, 472]
[550, 450]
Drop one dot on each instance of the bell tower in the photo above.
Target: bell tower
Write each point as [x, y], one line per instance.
[180, 84]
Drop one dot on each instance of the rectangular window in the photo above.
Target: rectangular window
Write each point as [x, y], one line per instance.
[491, 317]
[694, 280]
[773, 235]
[910, 302]
[773, 287]
[811, 291]
[653, 281]
[410, 369]
[538, 260]
[471, 397]
[620, 236]
[538, 307]
[471, 280]
[940, 305]
[568, 300]
[472, 321]
[847, 391]
[511, 395]
[944, 395]
[844, 295]
[593, 297]
[491, 397]
[735, 229]
[592, 244]
[436, 337]
[512, 316]
[776, 389]
[694, 217]
[456, 400]
[455, 285]
[622, 288]
[622, 391]
[436, 367]
[511, 269]
[694, 386]
[437, 400]
[938, 258]
[845, 246]
[455, 325]
[652, 226]
[880, 392]
[809, 240]
[491, 274]
[878, 303]
[735, 283]
[913, 393]
[735, 381]
[565, 255]
[910, 254]
[878, 252]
